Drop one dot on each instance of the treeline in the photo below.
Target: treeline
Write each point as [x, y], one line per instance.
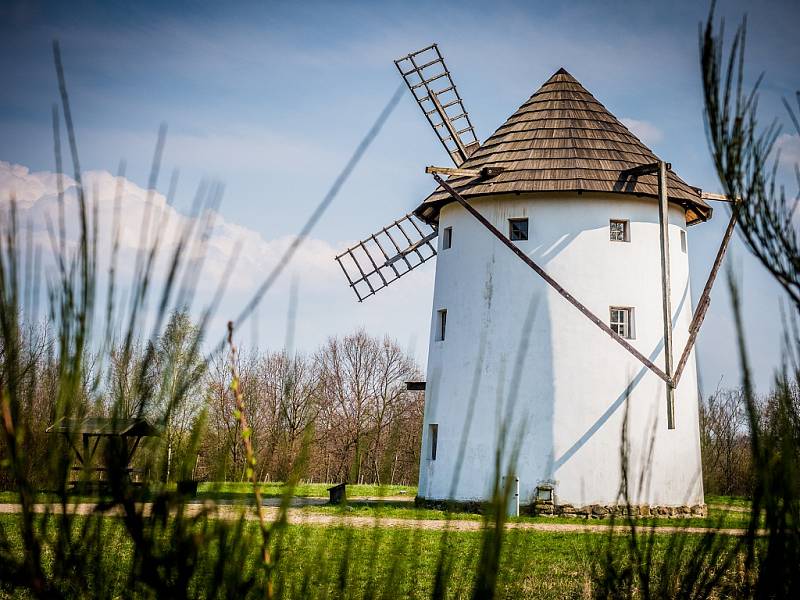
[726, 439]
[341, 413]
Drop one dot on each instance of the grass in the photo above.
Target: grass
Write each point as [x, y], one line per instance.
[316, 559]
[234, 490]
[729, 501]
[241, 492]
[304, 490]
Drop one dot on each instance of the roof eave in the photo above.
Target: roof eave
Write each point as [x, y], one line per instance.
[428, 210]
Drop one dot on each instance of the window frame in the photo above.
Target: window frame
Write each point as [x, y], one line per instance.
[447, 238]
[626, 230]
[511, 230]
[441, 324]
[684, 242]
[630, 325]
[433, 440]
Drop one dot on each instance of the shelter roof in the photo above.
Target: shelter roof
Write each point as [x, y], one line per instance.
[104, 426]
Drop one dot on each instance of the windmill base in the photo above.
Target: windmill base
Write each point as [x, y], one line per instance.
[600, 511]
[590, 511]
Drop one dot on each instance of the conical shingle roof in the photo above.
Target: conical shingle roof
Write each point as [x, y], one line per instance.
[562, 139]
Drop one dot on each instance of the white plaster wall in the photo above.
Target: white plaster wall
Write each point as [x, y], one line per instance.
[523, 376]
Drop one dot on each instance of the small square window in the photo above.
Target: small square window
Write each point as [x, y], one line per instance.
[518, 230]
[544, 493]
[620, 230]
[441, 324]
[683, 241]
[622, 321]
[447, 238]
[433, 439]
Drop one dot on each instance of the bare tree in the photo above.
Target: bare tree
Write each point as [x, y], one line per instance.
[725, 441]
[362, 389]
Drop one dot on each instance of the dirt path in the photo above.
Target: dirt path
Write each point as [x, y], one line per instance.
[725, 507]
[308, 501]
[298, 516]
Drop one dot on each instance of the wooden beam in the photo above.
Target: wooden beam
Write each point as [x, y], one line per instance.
[461, 150]
[133, 449]
[456, 172]
[705, 299]
[74, 447]
[403, 253]
[648, 169]
[550, 281]
[715, 197]
[666, 288]
[484, 172]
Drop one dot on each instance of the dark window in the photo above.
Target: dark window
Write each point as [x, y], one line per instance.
[518, 230]
[433, 439]
[447, 238]
[441, 326]
[683, 241]
[620, 231]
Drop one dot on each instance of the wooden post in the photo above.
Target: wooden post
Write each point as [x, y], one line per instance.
[666, 290]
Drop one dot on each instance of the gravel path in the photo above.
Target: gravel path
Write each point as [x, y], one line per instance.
[725, 507]
[298, 516]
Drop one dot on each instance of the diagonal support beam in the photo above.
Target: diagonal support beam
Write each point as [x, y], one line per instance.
[705, 298]
[552, 282]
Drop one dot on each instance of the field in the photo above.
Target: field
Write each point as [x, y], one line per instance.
[396, 548]
[373, 545]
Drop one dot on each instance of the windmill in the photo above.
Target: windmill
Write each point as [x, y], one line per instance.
[561, 188]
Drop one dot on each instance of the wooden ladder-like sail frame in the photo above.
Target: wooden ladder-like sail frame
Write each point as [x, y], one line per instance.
[387, 255]
[433, 88]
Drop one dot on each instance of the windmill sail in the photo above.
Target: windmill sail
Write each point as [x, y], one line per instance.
[429, 80]
[387, 255]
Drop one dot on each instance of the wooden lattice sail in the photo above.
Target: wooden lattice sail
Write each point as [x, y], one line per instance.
[388, 254]
[429, 80]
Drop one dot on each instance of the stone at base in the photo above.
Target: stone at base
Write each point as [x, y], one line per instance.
[591, 511]
[600, 511]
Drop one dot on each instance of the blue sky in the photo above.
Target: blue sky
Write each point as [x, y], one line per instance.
[271, 98]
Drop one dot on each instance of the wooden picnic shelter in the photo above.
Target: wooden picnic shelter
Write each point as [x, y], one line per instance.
[92, 430]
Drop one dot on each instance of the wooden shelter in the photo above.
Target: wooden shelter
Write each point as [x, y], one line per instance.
[93, 430]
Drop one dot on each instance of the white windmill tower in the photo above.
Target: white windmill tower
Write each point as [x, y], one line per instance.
[562, 284]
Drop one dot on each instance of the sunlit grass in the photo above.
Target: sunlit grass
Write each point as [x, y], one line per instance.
[533, 563]
[307, 490]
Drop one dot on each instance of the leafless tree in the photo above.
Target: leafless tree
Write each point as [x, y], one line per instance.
[362, 390]
[725, 441]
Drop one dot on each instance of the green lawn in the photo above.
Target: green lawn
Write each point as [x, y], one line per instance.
[380, 562]
[305, 490]
[234, 492]
[732, 501]
[227, 490]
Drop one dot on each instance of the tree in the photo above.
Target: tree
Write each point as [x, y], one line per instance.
[179, 367]
[362, 389]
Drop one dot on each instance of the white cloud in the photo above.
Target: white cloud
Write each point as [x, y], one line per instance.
[647, 132]
[789, 147]
[326, 306]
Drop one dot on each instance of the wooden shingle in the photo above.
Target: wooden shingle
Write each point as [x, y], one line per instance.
[563, 139]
